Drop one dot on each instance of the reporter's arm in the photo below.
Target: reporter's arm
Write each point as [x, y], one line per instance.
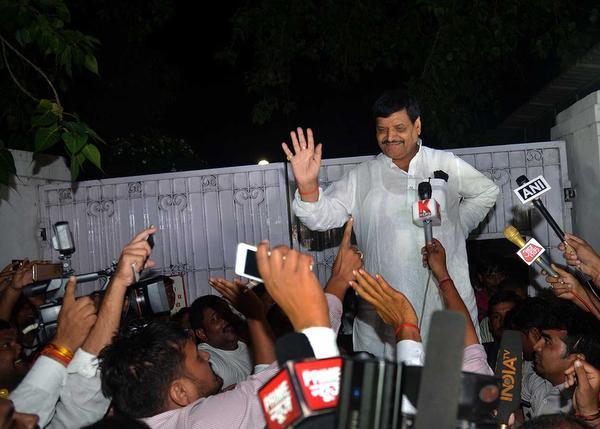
[22, 277]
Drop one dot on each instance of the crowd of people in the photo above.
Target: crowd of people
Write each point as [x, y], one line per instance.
[203, 366]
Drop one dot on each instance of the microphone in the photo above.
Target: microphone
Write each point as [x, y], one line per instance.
[305, 392]
[537, 202]
[513, 235]
[426, 211]
[509, 370]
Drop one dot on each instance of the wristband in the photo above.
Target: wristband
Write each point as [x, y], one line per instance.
[447, 279]
[309, 192]
[62, 350]
[408, 325]
[52, 353]
[589, 418]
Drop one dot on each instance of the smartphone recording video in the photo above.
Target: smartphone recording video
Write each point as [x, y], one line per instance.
[245, 262]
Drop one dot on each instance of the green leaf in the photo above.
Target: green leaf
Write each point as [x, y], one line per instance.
[92, 153]
[7, 166]
[46, 137]
[76, 162]
[76, 127]
[44, 120]
[90, 63]
[74, 142]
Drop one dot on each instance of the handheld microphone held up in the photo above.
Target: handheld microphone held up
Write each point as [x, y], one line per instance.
[509, 369]
[537, 202]
[513, 235]
[426, 211]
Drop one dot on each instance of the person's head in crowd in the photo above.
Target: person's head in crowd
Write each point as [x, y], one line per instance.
[153, 368]
[182, 318]
[500, 304]
[567, 335]
[213, 322]
[513, 284]
[12, 366]
[397, 118]
[528, 318]
[554, 421]
[491, 271]
[170, 291]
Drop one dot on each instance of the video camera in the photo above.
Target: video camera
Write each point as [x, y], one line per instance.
[147, 297]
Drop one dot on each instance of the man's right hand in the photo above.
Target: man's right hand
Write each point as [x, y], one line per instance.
[306, 162]
[291, 283]
[75, 320]
[134, 257]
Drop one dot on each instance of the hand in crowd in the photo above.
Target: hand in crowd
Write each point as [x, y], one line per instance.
[291, 283]
[586, 378]
[22, 276]
[239, 296]
[134, 257]
[392, 306]
[434, 256]
[583, 256]
[305, 160]
[348, 260]
[566, 286]
[75, 320]
[9, 419]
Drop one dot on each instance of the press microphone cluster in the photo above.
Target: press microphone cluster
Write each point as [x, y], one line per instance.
[426, 211]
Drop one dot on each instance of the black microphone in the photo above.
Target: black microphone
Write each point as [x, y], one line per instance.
[293, 346]
[510, 370]
[537, 202]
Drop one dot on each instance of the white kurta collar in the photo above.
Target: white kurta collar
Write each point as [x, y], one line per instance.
[389, 162]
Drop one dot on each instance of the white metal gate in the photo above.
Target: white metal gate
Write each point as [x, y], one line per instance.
[202, 215]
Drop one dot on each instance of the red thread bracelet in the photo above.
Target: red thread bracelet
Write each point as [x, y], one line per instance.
[309, 192]
[447, 279]
[409, 325]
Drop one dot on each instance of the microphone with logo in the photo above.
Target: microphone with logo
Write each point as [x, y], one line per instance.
[531, 191]
[304, 394]
[426, 211]
[510, 370]
[530, 252]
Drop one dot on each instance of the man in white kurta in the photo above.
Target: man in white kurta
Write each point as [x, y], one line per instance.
[379, 195]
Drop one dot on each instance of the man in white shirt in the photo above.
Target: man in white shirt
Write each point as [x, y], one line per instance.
[379, 195]
[211, 320]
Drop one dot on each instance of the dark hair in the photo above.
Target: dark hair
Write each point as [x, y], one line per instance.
[178, 317]
[139, 366]
[583, 330]
[555, 421]
[531, 313]
[394, 101]
[198, 307]
[118, 422]
[503, 296]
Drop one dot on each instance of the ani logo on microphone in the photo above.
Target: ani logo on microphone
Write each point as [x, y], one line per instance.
[531, 251]
[320, 382]
[532, 189]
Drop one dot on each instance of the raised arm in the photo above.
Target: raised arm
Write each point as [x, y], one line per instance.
[582, 256]
[306, 163]
[434, 255]
[566, 286]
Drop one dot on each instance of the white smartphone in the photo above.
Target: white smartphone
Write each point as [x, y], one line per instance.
[245, 262]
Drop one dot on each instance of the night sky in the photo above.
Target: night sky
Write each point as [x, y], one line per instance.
[169, 80]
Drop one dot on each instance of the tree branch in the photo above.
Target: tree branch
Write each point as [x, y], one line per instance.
[13, 77]
[36, 68]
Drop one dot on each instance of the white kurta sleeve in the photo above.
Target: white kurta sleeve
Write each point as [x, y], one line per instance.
[333, 208]
[478, 192]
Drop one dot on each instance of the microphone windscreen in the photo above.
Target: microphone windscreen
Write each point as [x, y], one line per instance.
[424, 190]
[293, 346]
[521, 180]
[509, 367]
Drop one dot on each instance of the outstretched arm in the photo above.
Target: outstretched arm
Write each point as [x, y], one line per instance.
[434, 255]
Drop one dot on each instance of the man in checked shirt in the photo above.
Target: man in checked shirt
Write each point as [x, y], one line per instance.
[156, 373]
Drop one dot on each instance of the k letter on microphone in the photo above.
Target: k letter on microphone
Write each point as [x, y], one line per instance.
[426, 211]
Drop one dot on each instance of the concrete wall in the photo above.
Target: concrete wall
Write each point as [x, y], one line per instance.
[579, 126]
[19, 211]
